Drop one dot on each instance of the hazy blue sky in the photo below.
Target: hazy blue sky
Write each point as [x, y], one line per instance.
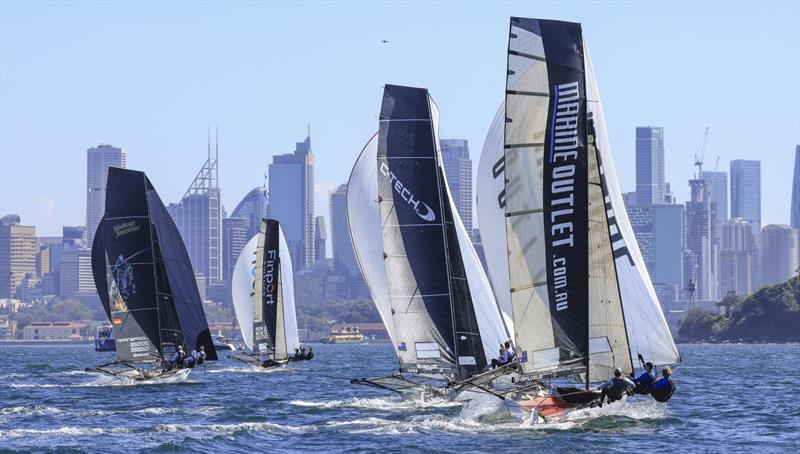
[151, 76]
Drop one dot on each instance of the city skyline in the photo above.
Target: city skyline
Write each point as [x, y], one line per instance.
[162, 126]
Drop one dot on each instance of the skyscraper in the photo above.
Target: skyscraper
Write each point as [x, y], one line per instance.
[458, 171]
[198, 217]
[344, 260]
[650, 186]
[17, 253]
[659, 231]
[235, 235]
[780, 249]
[746, 204]
[795, 210]
[717, 183]
[253, 207]
[291, 200]
[98, 160]
[735, 258]
[699, 242]
[320, 239]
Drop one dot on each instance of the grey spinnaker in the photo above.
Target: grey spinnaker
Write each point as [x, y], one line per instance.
[140, 264]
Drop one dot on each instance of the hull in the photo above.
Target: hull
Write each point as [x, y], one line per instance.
[126, 371]
[552, 404]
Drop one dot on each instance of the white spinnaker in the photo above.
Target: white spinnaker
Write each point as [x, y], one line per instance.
[292, 339]
[491, 215]
[648, 333]
[363, 219]
[244, 275]
[491, 324]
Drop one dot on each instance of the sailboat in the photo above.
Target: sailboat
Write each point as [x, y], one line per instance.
[263, 298]
[560, 249]
[145, 282]
[416, 256]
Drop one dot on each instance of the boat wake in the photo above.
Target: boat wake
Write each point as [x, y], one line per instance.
[609, 416]
[244, 369]
[378, 403]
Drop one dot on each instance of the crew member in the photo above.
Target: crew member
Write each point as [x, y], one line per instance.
[503, 359]
[191, 359]
[644, 381]
[310, 353]
[663, 388]
[201, 355]
[177, 358]
[297, 356]
[615, 388]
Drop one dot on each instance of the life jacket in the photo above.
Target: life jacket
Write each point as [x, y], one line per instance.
[663, 394]
[617, 388]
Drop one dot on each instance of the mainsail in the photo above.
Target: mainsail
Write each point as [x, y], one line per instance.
[432, 294]
[143, 274]
[263, 293]
[580, 296]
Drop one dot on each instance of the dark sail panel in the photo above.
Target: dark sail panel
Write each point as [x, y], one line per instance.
[270, 271]
[181, 293]
[412, 225]
[99, 268]
[566, 188]
[124, 250]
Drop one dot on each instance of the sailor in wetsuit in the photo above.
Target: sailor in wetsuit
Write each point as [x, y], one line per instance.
[503, 359]
[615, 388]
[191, 359]
[310, 353]
[297, 356]
[176, 360]
[663, 388]
[644, 381]
[201, 356]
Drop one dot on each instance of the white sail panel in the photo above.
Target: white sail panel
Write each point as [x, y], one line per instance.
[244, 275]
[491, 214]
[363, 219]
[291, 338]
[648, 333]
[608, 340]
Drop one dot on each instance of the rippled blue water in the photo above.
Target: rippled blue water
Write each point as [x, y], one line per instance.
[731, 398]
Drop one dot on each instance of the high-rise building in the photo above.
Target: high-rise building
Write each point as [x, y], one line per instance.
[650, 186]
[458, 171]
[291, 200]
[235, 235]
[746, 204]
[780, 253]
[253, 207]
[344, 260]
[717, 183]
[74, 237]
[320, 239]
[43, 261]
[699, 242]
[17, 253]
[98, 160]
[735, 258]
[198, 217]
[75, 273]
[659, 231]
[795, 210]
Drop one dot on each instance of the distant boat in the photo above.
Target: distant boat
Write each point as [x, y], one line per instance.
[263, 298]
[347, 335]
[146, 283]
[222, 344]
[104, 339]
[559, 246]
[416, 256]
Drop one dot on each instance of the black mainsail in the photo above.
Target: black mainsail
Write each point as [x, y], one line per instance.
[435, 324]
[144, 276]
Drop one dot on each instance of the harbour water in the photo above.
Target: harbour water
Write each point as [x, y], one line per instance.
[730, 398]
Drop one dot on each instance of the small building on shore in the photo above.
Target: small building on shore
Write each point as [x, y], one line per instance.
[58, 331]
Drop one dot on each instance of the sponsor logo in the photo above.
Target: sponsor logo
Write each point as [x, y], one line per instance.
[270, 280]
[564, 143]
[422, 209]
[126, 228]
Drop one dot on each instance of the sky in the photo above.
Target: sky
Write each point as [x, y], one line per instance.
[151, 76]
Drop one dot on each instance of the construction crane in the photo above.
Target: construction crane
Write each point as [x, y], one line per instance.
[698, 159]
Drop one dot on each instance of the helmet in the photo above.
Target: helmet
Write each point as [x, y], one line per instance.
[617, 371]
